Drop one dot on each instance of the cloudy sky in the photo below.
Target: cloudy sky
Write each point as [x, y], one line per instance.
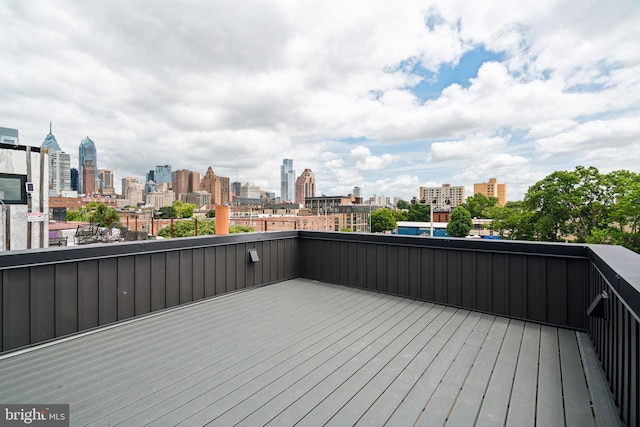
[384, 95]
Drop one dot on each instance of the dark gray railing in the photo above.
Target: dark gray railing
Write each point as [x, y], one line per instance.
[46, 294]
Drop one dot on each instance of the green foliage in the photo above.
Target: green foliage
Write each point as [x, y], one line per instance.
[401, 215]
[166, 212]
[402, 204]
[184, 210]
[211, 213]
[241, 229]
[479, 205]
[419, 213]
[460, 222]
[582, 205]
[188, 228]
[382, 220]
[94, 212]
[346, 230]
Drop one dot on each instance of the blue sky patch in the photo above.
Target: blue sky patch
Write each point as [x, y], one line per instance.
[467, 68]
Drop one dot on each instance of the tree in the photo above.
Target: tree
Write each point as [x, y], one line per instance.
[211, 213]
[184, 210]
[382, 220]
[346, 230]
[166, 212]
[400, 215]
[479, 205]
[460, 222]
[188, 228]
[402, 204]
[419, 213]
[103, 215]
[241, 229]
[512, 221]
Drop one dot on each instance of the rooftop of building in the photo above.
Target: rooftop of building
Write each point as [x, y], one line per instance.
[323, 328]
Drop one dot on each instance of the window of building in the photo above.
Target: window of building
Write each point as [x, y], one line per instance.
[12, 189]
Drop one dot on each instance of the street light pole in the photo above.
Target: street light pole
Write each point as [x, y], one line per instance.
[431, 213]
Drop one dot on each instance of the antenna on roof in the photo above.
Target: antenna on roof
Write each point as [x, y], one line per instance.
[49, 126]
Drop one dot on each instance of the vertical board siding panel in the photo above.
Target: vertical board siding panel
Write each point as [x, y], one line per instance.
[371, 266]
[414, 273]
[229, 267]
[16, 302]
[281, 261]
[352, 264]
[453, 277]
[142, 283]
[325, 260]
[88, 295]
[440, 275]
[158, 281]
[250, 276]
[343, 263]
[266, 263]
[209, 271]
[242, 255]
[484, 288]
[403, 268]
[107, 290]
[468, 280]
[426, 274]
[391, 262]
[66, 299]
[3, 311]
[380, 268]
[172, 278]
[126, 287]
[361, 265]
[556, 291]
[517, 286]
[295, 258]
[577, 296]
[198, 274]
[42, 303]
[275, 261]
[185, 272]
[500, 290]
[288, 268]
[221, 270]
[537, 289]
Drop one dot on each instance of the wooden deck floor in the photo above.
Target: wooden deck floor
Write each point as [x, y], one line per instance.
[308, 353]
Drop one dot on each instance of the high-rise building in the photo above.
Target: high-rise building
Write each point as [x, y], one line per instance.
[492, 189]
[151, 175]
[442, 198]
[217, 186]
[106, 178]
[235, 188]
[162, 174]
[89, 177]
[9, 136]
[132, 190]
[249, 191]
[305, 186]
[59, 164]
[74, 179]
[184, 181]
[59, 171]
[87, 153]
[287, 181]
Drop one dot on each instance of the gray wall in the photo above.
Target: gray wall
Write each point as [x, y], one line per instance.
[56, 292]
[534, 281]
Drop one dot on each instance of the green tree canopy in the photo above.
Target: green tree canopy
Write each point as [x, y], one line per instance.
[419, 213]
[166, 212]
[460, 222]
[382, 220]
[479, 205]
[184, 210]
[402, 204]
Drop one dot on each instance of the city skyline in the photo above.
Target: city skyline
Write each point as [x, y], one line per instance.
[384, 96]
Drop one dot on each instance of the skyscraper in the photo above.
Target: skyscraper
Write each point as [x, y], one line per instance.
[287, 181]
[106, 178]
[59, 164]
[88, 178]
[217, 186]
[87, 152]
[305, 186]
[162, 174]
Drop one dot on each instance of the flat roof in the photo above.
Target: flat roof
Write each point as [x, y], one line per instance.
[316, 353]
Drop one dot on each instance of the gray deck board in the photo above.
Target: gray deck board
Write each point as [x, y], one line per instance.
[316, 354]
